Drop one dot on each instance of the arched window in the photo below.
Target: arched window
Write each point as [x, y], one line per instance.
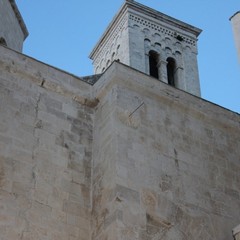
[113, 56]
[118, 47]
[3, 41]
[153, 64]
[171, 67]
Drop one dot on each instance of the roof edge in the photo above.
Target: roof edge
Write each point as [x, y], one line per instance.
[118, 15]
[159, 15]
[236, 13]
[150, 12]
[19, 18]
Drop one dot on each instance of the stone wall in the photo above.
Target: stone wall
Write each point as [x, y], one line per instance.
[129, 157]
[114, 46]
[45, 152]
[104, 162]
[174, 166]
[10, 28]
[147, 33]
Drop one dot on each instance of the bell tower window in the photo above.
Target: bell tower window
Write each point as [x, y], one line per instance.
[153, 64]
[171, 68]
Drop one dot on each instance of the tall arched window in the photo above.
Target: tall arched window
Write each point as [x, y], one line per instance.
[3, 41]
[171, 67]
[153, 64]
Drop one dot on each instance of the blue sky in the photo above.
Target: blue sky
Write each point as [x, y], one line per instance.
[63, 33]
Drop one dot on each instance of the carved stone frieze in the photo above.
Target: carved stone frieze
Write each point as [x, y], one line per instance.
[159, 28]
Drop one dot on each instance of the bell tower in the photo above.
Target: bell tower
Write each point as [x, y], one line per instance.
[13, 30]
[153, 43]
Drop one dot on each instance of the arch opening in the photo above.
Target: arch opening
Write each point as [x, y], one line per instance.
[153, 64]
[171, 67]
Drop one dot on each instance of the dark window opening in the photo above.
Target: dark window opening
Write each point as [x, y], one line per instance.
[3, 42]
[171, 65]
[180, 38]
[153, 64]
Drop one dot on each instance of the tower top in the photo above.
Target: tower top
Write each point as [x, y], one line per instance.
[140, 8]
[153, 43]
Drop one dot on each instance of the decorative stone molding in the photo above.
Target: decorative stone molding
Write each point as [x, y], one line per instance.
[149, 24]
[138, 30]
[111, 39]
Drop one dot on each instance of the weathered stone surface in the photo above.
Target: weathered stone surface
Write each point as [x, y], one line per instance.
[44, 162]
[136, 32]
[125, 157]
[236, 232]
[12, 28]
[172, 174]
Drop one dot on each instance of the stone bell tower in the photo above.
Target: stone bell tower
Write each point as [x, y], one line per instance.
[153, 43]
[13, 30]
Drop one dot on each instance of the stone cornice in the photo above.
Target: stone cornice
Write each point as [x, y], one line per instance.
[19, 18]
[145, 22]
[163, 17]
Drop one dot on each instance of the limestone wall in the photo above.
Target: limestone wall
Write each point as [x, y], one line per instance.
[127, 158]
[45, 152]
[10, 28]
[104, 162]
[176, 173]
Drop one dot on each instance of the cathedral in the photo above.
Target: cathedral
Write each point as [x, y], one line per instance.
[130, 153]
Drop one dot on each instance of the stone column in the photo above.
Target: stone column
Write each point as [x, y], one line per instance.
[179, 78]
[236, 232]
[147, 70]
[162, 70]
[235, 20]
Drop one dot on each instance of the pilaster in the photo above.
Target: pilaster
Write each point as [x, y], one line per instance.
[162, 70]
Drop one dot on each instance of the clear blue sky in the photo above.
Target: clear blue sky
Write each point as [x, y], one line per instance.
[63, 33]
